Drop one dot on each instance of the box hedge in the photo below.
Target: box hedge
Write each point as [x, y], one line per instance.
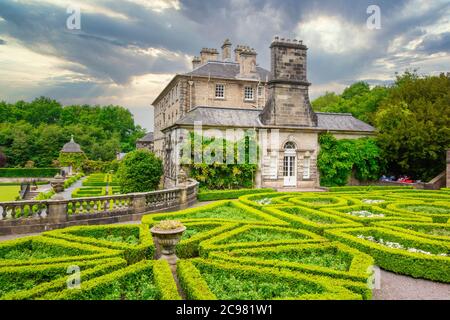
[145, 280]
[356, 263]
[212, 195]
[49, 250]
[34, 281]
[98, 236]
[28, 172]
[416, 264]
[267, 283]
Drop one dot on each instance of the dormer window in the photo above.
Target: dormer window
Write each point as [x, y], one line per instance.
[248, 94]
[220, 91]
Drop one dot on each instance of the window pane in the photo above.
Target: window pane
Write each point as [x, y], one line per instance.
[248, 93]
[220, 91]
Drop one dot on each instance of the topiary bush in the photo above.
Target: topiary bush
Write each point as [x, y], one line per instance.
[139, 171]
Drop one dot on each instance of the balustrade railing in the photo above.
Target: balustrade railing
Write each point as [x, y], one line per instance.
[60, 211]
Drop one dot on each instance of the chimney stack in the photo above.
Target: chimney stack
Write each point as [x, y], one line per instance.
[196, 62]
[226, 50]
[247, 62]
[289, 103]
[209, 54]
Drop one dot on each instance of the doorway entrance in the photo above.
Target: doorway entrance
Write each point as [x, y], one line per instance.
[289, 165]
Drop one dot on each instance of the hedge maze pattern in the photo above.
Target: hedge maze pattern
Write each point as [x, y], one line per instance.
[261, 246]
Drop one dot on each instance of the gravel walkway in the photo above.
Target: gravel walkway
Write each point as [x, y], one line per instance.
[398, 287]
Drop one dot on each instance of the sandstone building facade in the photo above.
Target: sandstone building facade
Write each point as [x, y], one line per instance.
[235, 92]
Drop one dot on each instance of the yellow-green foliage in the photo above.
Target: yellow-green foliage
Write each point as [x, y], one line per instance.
[274, 245]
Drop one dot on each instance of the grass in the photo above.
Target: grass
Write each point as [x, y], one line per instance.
[309, 216]
[263, 235]
[9, 193]
[229, 286]
[328, 258]
[427, 209]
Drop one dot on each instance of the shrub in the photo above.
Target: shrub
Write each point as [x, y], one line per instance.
[145, 280]
[38, 250]
[249, 236]
[112, 237]
[139, 171]
[330, 259]
[313, 220]
[28, 172]
[407, 259]
[205, 280]
[211, 195]
[32, 282]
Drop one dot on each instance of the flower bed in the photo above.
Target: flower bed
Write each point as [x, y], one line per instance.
[399, 252]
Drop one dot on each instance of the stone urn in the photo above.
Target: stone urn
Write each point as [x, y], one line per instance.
[57, 183]
[168, 234]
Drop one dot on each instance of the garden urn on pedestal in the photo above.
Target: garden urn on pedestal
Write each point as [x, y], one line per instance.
[168, 233]
[57, 183]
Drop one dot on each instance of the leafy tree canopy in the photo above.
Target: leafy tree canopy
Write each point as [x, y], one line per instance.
[36, 131]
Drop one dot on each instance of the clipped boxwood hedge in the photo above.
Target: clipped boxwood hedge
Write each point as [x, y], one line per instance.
[117, 234]
[353, 265]
[211, 195]
[38, 250]
[145, 280]
[205, 280]
[32, 282]
[28, 172]
[419, 265]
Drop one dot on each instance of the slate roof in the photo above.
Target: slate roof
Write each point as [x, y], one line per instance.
[226, 70]
[235, 117]
[147, 138]
[341, 121]
[71, 147]
[210, 116]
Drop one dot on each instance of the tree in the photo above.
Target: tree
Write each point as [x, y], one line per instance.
[2, 159]
[358, 99]
[414, 125]
[139, 171]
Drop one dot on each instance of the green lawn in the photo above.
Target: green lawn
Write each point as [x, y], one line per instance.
[9, 193]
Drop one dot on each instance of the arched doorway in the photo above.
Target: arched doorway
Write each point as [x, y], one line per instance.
[289, 164]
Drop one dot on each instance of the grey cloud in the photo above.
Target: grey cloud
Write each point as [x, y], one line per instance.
[2, 42]
[436, 43]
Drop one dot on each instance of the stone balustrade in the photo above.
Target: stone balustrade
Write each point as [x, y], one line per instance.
[36, 216]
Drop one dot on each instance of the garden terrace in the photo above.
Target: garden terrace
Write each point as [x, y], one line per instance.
[288, 246]
[40, 215]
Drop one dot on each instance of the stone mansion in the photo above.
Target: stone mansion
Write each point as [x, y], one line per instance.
[225, 91]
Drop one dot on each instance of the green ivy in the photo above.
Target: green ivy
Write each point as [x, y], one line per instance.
[220, 175]
[339, 158]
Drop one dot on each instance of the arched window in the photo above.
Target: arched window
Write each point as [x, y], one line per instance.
[289, 145]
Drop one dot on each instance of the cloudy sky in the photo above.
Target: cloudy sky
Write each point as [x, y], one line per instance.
[127, 50]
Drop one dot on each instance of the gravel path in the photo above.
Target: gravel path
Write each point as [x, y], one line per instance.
[398, 287]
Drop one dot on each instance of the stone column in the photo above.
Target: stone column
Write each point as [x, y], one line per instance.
[139, 204]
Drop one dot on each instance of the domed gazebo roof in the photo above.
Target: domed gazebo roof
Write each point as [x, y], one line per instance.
[71, 147]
